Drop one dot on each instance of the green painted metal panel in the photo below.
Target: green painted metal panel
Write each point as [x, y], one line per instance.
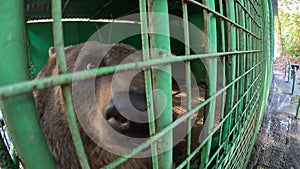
[40, 39]
[239, 31]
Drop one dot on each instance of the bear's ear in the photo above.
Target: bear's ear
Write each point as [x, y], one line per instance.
[51, 52]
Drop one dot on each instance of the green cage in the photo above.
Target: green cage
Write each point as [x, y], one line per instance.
[232, 64]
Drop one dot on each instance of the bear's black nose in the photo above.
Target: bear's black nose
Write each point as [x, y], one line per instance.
[127, 112]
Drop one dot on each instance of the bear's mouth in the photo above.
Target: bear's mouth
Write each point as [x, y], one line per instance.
[118, 122]
[127, 127]
[128, 117]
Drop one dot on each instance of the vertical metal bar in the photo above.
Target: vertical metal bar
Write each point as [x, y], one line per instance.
[289, 73]
[294, 80]
[231, 68]
[238, 71]
[250, 56]
[242, 63]
[211, 30]
[223, 72]
[148, 82]
[271, 43]
[251, 45]
[188, 76]
[298, 109]
[271, 33]
[20, 112]
[160, 42]
[66, 90]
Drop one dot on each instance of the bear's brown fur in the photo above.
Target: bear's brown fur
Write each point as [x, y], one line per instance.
[52, 113]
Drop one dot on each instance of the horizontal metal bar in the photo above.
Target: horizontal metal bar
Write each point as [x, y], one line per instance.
[242, 144]
[232, 150]
[240, 118]
[235, 150]
[28, 86]
[223, 17]
[255, 8]
[211, 159]
[219, 125]
[249, 14]
[178, 122]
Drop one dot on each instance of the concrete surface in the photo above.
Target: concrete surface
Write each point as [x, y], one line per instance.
[278, 143]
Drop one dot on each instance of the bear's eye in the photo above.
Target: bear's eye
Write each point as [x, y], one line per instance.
[90, 66]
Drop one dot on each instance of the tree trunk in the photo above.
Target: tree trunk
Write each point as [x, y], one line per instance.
[277, 28]
[279, 35]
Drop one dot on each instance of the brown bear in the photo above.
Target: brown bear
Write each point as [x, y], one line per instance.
[102, 109]
[52, 113]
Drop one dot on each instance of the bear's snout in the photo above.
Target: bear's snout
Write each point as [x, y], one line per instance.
[127, 113]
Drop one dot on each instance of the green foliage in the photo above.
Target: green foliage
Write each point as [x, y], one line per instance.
[290, 26]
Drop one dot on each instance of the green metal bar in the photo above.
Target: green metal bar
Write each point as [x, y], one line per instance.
[294, 80]
[289, 73]
[243, 114]
[286, 64]
[272, 34]
[248, 56]
[234, 148]
[248, 13]
[240, 145]
[238, 70]
[222, 16]
[231, 68]
[216, 129]
[298, 109]
[161, 77]
[28, 86]
[269, 48]
[255, 8]
[242, 46]
[19, 112]
[66, 90]
[232, 155]
[148, 81]
[188, 77]
[223, 41]
[178, 122]
[211, 30]
[247, 106]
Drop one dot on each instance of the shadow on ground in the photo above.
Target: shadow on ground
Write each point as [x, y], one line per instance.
[278, 143]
